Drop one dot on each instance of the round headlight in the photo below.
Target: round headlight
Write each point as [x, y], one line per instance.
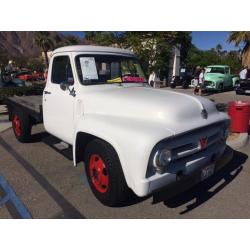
[162, 158]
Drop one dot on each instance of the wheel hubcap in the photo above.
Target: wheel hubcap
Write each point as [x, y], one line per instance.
[17, 125]
[98, 173]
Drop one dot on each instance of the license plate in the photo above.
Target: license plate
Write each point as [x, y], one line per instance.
[207, 171]
[247, 91]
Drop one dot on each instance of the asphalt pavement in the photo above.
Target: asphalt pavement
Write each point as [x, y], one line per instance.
[48, 185]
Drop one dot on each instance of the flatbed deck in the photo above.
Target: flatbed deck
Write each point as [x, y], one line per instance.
[32, 105]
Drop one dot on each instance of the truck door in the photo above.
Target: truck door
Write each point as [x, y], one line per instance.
[228, 78]
[58, 103]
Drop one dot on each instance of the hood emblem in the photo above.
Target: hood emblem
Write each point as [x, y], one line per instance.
[204, 114]
[203, 142]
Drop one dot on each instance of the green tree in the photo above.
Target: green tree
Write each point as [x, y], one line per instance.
[153, 49]
[104, 38]
[71, 40]
[61, 40]
[238, 38]
[36, 64]
[3, 57]
[218, 48]
[197, 57]
[45, 42]
[233, 60]
[58, 40]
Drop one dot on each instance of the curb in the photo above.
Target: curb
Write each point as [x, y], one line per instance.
[4, 122]
[240, 142]
[3, 109]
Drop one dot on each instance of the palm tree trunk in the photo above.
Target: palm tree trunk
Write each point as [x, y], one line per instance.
[46, 59]
[246, 58]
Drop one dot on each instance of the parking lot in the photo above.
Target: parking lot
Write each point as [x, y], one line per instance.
[49, 186]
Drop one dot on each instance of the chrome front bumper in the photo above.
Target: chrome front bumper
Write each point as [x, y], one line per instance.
[187, 167]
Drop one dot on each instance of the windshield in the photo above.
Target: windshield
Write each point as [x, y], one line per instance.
[215, 70]
[108, 69]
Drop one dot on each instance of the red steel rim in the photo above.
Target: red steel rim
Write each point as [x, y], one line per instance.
[17, 125]
[98, 173]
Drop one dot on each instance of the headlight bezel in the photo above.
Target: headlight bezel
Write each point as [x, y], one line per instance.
[162, 159]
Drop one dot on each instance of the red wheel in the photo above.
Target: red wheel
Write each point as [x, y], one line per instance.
[98, 173]
[21, 125]
[104, 173]
[17, 125]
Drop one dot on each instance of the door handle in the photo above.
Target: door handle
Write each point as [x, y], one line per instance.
[47, 92]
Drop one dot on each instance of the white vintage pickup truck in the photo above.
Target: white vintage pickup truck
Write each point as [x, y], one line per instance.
[129, 135]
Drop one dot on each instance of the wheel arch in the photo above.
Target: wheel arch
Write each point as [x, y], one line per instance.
[83, 138]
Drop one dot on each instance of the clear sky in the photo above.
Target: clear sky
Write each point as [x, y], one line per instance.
[202, 39]
[209, 39]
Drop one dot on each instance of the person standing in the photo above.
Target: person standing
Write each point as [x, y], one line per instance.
[9, 67]
[201, 81]
[243, 74]
[151, 79]
[248, 74]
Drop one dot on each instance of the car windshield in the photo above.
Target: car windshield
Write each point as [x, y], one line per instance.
[108, 69]
[215, 70]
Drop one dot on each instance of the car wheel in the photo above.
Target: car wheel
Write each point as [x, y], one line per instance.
[172, 86]
[104, 173]
[221, 87]
[21, 126]
[185, 85]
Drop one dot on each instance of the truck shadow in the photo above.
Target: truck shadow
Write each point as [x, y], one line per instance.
[38, 137]
[215, 92]
[204, 191]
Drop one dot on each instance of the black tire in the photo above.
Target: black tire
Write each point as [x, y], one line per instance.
[172, 86]
[221, 87]
[25, 126]
[185, 85]
[117, 190]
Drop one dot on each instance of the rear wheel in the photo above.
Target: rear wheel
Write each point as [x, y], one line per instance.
[185, 85]
[21, 126]
[104, 173]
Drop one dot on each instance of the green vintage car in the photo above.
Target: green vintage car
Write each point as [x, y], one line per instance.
[218, 77]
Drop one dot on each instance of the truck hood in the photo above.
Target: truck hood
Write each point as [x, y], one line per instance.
[173, 111]
[214, 77]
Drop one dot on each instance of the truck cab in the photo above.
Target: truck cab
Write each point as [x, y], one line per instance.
[219, 77]
[130, 136]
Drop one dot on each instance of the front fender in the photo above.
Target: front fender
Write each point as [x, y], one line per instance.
[235, 79]
[132, 139]
[218, 82]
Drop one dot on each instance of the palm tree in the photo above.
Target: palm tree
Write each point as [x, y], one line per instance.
[71, 40]
[218, 48]
[242, 37]
[58, 40]
[44, 41]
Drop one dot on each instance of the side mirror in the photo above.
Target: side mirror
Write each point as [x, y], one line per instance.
[64, 86]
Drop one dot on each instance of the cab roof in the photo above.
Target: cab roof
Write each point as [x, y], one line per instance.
[218, 66]
[91, 48]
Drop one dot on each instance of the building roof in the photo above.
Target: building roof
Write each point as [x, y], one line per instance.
[91, 48]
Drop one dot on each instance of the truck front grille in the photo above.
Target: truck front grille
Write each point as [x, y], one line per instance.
[184, 145]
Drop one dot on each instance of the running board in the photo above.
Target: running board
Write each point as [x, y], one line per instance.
[61, 147]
